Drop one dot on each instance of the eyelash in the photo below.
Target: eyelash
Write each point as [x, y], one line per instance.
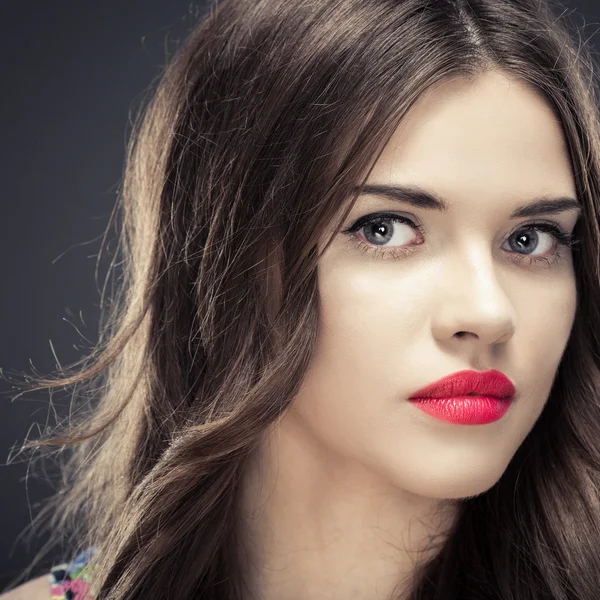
[562, 238]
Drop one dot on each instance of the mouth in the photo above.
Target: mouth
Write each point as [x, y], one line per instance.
[467, 397]
[465, 410]
[469, 383]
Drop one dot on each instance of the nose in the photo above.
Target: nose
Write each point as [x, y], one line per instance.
[472, 301]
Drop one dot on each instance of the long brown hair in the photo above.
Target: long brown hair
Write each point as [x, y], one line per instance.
[260, 133]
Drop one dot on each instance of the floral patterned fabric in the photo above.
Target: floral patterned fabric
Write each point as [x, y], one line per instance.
[69, 581]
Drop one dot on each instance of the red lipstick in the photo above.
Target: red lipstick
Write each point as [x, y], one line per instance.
[448, 399]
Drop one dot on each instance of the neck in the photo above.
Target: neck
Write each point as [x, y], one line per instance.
[319, 527]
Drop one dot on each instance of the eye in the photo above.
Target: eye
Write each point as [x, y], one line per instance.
[393, 232]
[388, 234]
[530, 240]
[527, 240]
[383, 228]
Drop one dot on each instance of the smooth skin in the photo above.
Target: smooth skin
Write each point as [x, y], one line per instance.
[353, 479]
[35, 589]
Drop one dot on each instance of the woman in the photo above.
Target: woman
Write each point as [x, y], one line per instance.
[355, 349]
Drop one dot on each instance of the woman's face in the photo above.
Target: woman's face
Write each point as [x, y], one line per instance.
[469, 290]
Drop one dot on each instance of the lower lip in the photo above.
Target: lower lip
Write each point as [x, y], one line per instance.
[464, 410]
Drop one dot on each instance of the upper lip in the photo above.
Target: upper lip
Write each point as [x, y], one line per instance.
[487, 383]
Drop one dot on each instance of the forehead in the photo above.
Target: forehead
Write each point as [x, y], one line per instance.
[468, 138]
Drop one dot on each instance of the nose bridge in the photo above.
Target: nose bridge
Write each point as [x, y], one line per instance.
[473, 298]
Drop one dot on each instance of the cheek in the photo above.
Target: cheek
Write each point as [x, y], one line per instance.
[545, 315]
[367, 322]
[370, 313]
[545, 319]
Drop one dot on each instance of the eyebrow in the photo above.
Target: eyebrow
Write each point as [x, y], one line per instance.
[417, 196]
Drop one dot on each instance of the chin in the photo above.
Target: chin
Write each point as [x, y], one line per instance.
[469, 490]
[452, 486]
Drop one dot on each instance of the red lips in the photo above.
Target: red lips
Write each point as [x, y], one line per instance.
[484, 383]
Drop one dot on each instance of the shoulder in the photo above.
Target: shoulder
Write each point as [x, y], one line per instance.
[35, 589]
[66, 580]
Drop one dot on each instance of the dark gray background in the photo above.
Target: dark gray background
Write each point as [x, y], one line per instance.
[71, 72]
